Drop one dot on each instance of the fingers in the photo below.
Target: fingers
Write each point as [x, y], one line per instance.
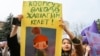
[88, 48]
[20, 17]
[61, 20]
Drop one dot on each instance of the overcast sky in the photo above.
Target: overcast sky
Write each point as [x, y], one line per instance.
[74, 11]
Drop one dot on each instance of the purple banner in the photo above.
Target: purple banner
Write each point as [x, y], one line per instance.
[94, 42]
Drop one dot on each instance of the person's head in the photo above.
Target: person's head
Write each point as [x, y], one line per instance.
[36, 30]
[66, 45]
[84, 43]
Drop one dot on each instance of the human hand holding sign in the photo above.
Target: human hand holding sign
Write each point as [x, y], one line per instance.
[66, 29]
[16, 22]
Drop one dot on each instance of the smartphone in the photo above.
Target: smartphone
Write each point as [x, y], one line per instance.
[15, 21]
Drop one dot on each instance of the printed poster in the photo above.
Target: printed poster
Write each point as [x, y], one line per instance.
[40, 31]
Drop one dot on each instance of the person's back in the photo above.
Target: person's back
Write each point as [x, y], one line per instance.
[13, 46]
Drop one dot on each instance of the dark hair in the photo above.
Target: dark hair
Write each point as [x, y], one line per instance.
[67, 53]
[85, 41]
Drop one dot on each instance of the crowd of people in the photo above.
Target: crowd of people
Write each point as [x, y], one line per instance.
[70, 47]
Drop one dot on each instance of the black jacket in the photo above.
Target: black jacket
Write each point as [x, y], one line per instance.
[13, 45]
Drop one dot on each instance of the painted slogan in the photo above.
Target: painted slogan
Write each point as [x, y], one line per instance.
[41, 34]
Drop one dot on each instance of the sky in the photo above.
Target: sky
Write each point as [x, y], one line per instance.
[74, 11]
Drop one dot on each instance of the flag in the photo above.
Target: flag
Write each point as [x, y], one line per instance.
[83, 31]
[93, 27]
[94, 42]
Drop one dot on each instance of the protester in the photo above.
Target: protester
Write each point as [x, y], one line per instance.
[12, 40]
[87, 50]
[86, 47]
[67, 43]
[5, 49]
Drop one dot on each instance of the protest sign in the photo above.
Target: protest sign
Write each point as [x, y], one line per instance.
[40, 31]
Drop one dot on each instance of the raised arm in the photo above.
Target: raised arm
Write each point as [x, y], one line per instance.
[66, 29]
[14, 26]
[13, 31]
[76, 41]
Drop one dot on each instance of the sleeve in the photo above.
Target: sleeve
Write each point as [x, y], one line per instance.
[78, 47]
